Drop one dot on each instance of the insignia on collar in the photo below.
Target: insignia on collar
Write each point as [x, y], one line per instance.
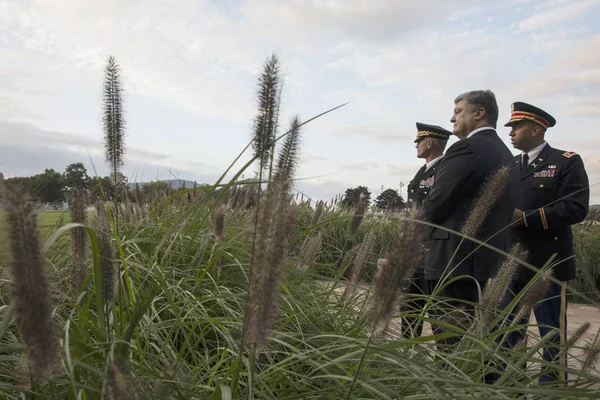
[545, 173]
[569, 154]
[533, 164]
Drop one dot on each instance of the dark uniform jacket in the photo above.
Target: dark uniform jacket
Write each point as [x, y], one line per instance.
[417, 192]
[554, 195]
[421, 185]
[459, 178]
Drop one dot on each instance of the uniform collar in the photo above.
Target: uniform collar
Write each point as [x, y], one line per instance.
[483, 128]
[535, 152]
[433, 162]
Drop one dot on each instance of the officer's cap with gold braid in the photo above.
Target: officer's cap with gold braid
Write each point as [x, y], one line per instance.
[434, 131]
[520, 111]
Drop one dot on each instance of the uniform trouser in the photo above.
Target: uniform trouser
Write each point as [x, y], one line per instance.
[412, 322]
[550, 315]
[454, 299]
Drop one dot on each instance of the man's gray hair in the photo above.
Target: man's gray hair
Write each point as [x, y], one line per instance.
[485, 99]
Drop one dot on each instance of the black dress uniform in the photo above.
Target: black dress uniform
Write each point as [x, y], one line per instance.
[417, 190]
[554, 195]
[467, 165]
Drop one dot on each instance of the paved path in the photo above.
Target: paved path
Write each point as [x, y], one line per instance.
[577, 315]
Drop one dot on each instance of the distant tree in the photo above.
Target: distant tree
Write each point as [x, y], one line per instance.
[120, 184]
[48, 186]
[76, 176]
[1, 177]
[390, 200]
[102, 188]
[352, 194]
[25, 182]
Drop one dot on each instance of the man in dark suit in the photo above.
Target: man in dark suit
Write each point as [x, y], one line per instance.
[430, 142]
[466, 166]
[554, 195]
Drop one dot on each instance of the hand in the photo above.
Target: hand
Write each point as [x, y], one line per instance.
[517, 219]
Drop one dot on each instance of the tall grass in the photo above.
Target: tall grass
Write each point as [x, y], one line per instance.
[161, 310]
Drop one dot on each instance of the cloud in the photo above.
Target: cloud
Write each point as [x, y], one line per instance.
[376, 20]
[557, 12]
[404, 171]
[28, 135]
[357, 165]
[374, 131]
[27, 150]
[319, 189]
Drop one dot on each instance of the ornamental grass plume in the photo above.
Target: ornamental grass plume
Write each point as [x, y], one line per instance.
[495, 291]
[30, 287]
[266, 121]
[107, 252]
[219, 221]
[359, 213]
[120, 383]
[490, 192]
[357, 272]
[275, 220]
[318, 212]
[534, 294]
[591, 357]
[309, 250]
[77, 201]
[393, 276]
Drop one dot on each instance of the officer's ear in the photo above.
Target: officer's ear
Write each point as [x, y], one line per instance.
[538, 131]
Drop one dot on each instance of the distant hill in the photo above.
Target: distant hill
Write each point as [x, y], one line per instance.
[174, 183]
[595, 206]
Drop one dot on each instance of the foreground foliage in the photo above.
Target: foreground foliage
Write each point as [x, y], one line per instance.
[236, 291]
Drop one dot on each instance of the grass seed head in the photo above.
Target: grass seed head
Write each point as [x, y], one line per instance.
[30, 285]
[393, 276]
[489, 194]
[359, 213]
[496, 290]
[121, 384]
[77, 203]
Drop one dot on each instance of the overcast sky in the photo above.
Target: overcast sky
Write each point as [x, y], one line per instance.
[190, 71]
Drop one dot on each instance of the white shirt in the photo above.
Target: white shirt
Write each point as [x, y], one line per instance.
[534, 153]
[532, 156]
[433, 162]
[479, 130]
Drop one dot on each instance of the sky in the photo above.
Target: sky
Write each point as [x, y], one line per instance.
[190, 71]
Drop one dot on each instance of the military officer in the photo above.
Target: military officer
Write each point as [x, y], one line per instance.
[554, 195]
[430, 142]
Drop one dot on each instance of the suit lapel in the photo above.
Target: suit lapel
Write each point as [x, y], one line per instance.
[419, 175]
[428, 173]
[537, 164]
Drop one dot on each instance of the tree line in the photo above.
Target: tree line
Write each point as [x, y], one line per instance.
[389, 199]
[53, 186]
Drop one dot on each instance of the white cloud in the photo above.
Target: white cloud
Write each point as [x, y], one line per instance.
[376, 20]
[399, 62]
[357, 165]
[556, 12]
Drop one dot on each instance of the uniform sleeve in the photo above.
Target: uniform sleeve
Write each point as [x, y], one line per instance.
[451, 178]
[572, 203]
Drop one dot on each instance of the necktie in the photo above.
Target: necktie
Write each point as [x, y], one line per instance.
[525, 161]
